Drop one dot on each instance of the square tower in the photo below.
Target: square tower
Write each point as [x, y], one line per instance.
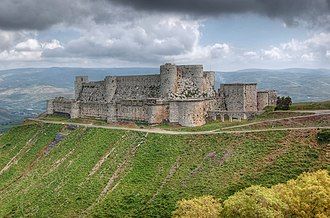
[239, 97]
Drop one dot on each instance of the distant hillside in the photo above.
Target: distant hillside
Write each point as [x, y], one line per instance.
[5, 115]
[23, 92]
[53, 170]
[300, 84]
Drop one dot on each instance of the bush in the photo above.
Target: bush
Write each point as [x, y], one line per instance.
[204, 207]
[323, 136]
[255, 201]
[307, 196]
[283, 103]
[269, 109]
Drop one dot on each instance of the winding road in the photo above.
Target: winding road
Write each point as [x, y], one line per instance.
[225, 130]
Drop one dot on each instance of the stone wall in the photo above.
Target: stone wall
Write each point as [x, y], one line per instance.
[174, 112]
[208, 83]
[78, 85]
[50, 107]
[158, 113]
[238, 97]
[110, 88]
[187, 82]
[231, 97]
[192, 72]
[266, 98]
[250, 97]
[168, 80]
[272, 98]
[93, 92]
[262, 99]
[62, 105]
[180, 94]
[133, 110]
[93, 109]
[137, 87]
[191, 113]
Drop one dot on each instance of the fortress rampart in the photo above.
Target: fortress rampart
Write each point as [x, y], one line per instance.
[181, 94]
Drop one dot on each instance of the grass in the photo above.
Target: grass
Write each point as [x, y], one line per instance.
[147, 173]
[321, 120]
[323, 105]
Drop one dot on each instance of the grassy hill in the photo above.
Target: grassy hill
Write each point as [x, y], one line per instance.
[49, 170]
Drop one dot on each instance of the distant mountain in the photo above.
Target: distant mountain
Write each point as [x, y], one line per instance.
[300, 84]
[23, 92]
[5, 115]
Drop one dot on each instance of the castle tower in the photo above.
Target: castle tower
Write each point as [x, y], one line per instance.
[168, 79]
[78, 85]
[110, 87]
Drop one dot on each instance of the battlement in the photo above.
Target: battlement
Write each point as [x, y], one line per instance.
[181, 94]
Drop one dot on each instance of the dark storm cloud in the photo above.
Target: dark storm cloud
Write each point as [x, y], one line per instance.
[38, 14]
[42, 14]
[313, 12]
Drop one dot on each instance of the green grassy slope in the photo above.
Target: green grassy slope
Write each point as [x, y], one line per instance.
[322, 105]
[100, 172]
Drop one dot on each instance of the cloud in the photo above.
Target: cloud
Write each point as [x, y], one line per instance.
[312, 52]
[131, 33]
[292, 12]
[29, 50]
[43, 14]
[149, 40]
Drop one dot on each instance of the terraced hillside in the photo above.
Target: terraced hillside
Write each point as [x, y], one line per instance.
[49, 170]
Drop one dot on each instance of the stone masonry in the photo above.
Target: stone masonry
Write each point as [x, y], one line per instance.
[182, 94]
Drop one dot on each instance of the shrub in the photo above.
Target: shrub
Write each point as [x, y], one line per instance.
[204, 207]
[269, 109]
[283, 103]
[255, 201]
[323, 136]
[307, 196]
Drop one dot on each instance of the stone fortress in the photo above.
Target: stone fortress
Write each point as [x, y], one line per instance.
[182, 94]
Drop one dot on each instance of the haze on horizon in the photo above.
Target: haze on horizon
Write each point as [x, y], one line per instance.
[221, 34]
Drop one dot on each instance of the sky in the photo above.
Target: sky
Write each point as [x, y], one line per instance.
[222, 35]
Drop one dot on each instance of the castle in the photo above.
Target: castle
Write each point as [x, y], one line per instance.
[182, 94]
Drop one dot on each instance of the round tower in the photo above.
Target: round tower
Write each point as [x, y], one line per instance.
[168, 79]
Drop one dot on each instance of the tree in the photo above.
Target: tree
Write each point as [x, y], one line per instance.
[283, 103]
[255, 201]
[203, 207]
[307, 196]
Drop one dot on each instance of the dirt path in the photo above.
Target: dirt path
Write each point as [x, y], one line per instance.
[170, 174]
[116, 176]
[326, 112]
[98, 165]
[24, 149]
[211, 132]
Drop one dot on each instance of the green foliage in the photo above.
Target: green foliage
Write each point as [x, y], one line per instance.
[255, 201]
[307, 196]
[323, 136]
[203, 207]
[283, 103]
[269, 109]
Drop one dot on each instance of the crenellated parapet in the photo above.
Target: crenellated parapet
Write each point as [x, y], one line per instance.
[182, 94]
